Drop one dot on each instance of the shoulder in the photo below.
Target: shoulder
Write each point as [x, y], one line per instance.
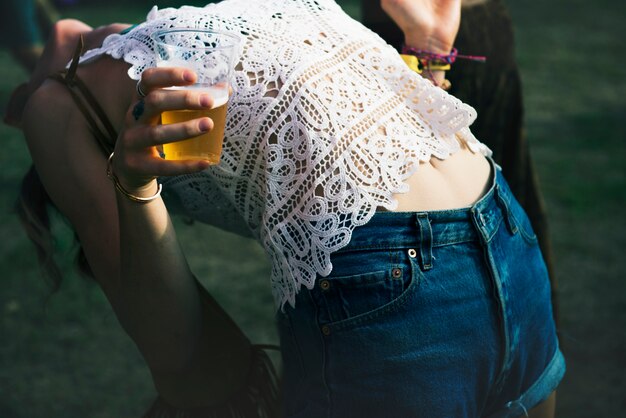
[50, 124]
[50, 98]
[47, 123]
[48, 117]
[72, 170]
[65, 154]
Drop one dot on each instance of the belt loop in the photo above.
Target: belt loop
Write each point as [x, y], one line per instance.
[426, 240]
[503, 201]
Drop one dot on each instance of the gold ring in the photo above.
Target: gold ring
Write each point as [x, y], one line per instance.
[140, 92]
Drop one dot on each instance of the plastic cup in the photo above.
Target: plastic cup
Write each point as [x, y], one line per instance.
[211, 54]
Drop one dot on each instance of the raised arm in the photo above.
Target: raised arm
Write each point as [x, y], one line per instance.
[427, 24]
[430, 25]
[131, 247]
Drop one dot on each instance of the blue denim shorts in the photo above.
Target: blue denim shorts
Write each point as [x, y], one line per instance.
[442, 314]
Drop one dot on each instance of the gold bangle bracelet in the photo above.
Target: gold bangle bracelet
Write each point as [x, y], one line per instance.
[123, 191]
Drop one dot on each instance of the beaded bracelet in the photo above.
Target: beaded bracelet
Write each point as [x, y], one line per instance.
[118, 186]
[427, 57]
[420, 60]
[418, 66]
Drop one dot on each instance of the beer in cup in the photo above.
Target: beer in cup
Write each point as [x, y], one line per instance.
[211, 55]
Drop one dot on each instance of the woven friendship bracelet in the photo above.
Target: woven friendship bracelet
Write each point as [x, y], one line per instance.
[118, 186]
[427, 57]
[421, 61]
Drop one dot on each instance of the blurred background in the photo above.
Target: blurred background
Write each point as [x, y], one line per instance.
[64, 355]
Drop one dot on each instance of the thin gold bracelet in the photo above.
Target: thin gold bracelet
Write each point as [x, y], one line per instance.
[122, 190]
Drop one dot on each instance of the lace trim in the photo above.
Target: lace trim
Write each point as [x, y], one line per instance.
[326, 123]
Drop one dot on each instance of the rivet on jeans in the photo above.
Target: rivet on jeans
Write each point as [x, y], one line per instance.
[326, 330]
[325, 284]
[412, 253]
[396, 273]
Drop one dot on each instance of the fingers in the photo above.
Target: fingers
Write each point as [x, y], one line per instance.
[154, 100]
[154, 135]
[155, 78]
[137, 160]
[159, 101]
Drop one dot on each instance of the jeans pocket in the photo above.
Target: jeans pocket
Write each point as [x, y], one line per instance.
[380, 280]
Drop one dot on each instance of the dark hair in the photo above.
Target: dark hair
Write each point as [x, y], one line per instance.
[32, 207]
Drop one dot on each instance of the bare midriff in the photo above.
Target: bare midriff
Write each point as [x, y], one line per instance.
[455, 182]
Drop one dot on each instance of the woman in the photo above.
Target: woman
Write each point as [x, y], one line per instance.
[350, 170]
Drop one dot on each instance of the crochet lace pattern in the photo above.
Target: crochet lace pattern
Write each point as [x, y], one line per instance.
[325, 124]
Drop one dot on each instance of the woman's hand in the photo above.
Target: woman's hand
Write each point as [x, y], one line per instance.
[137, 161]
[427, 24]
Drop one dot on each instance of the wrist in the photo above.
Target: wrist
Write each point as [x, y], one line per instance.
[436, 77]
[140, 193]
[143, 194]
[428, 44]
[429, 64]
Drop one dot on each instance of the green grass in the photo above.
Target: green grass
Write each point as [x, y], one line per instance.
[574, 82]
[66, 356]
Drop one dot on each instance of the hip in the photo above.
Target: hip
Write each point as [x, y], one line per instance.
[416, 303]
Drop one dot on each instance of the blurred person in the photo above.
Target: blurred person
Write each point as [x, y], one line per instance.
[24, 26]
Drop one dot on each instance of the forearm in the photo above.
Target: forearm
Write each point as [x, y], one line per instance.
[163, 310]
[160, 305]
[131, 247]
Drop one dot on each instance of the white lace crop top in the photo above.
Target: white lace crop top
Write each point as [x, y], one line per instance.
[325, 124]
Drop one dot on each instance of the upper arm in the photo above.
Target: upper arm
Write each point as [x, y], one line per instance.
[73, 172]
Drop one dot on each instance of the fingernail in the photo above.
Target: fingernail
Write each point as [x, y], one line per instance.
[205, 125]
[188, 76]
[205, 100]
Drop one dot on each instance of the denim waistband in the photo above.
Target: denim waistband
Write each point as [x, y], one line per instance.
[439, 228]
